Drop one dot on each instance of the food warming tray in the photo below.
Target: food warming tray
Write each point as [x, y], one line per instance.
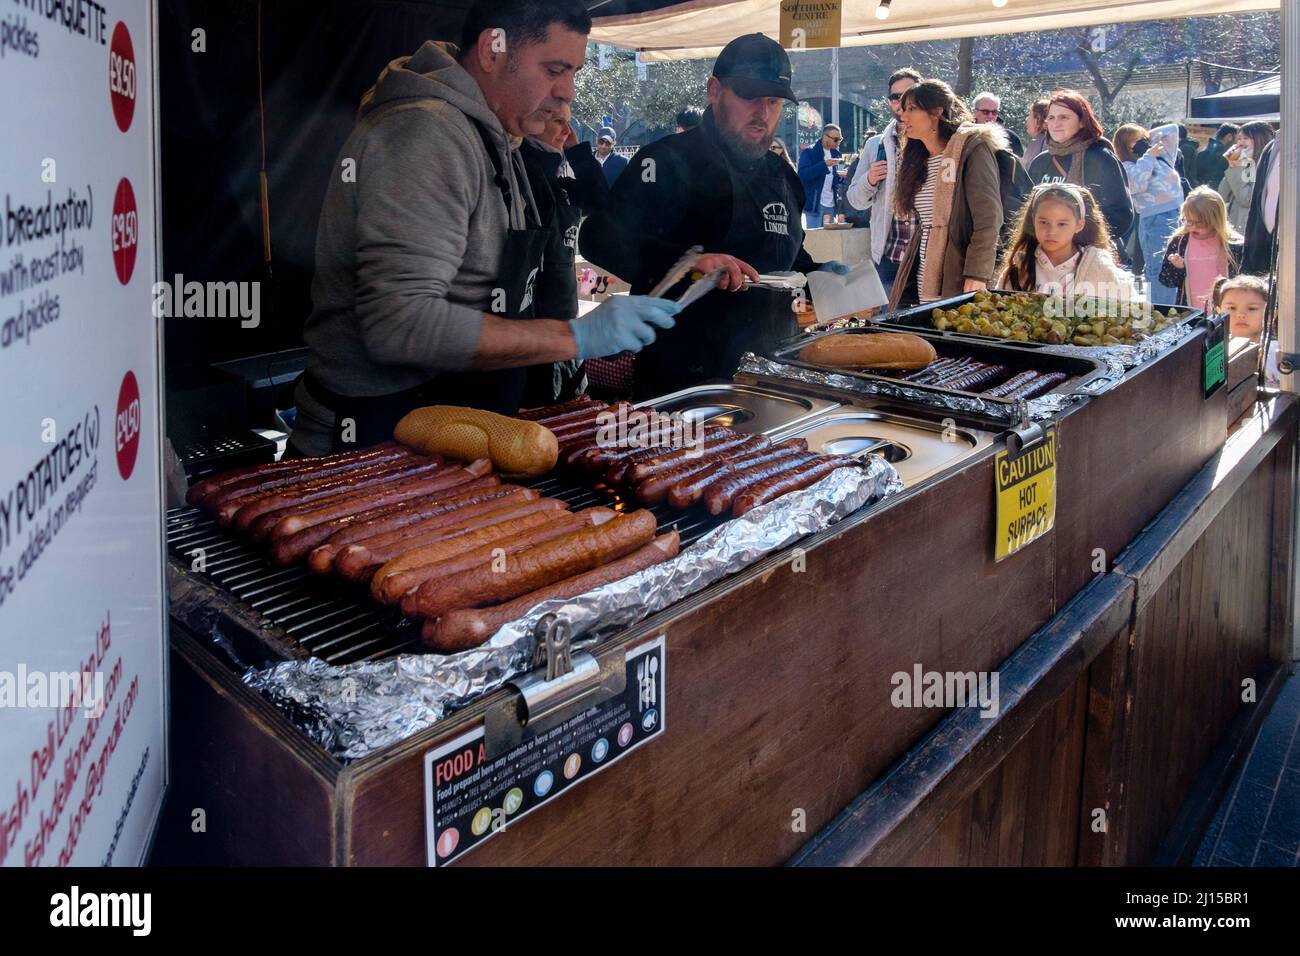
[918, 318]
[917, 448]
[1087, 376]
[745, 408]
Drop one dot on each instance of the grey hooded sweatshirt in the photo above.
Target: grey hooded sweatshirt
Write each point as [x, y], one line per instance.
[409, 248]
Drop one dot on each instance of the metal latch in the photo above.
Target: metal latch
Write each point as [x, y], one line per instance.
[1027, 434]
[561, 685]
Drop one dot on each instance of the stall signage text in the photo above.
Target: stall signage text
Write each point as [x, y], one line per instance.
[470, 797]
[1026, 496]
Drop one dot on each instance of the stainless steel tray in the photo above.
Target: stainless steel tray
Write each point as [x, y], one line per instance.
[918, 318]
[745, 408]
[1086, 376]
[918, 448]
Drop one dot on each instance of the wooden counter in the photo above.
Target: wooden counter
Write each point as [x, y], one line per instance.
[779, 694]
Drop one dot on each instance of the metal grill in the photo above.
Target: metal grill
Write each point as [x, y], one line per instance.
[332, 619]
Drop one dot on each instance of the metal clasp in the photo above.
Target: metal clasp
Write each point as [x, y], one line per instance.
[1026, 434]
[561, 685]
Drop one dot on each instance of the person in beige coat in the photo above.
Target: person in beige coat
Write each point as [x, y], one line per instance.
[948, 181]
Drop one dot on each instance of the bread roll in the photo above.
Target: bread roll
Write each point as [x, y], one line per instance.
[883, 350]
[515, 447]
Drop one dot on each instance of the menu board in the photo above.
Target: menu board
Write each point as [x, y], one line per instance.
[82, 613]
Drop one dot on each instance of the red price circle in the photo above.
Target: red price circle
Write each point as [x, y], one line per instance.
[125, 225]
[126, 425]
[122, 76]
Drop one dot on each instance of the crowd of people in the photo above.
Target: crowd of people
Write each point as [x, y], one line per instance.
[483, 310]
[957, 202]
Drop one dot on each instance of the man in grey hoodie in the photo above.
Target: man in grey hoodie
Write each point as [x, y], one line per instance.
[431, 239]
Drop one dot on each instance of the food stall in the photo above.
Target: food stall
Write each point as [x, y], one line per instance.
[1100, 554]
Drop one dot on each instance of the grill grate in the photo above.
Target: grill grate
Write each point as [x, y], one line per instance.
[339, 622]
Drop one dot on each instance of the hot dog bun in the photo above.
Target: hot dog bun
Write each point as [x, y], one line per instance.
[886, 350]
[515, 447]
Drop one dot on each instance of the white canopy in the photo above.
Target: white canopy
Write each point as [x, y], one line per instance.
[700, 28]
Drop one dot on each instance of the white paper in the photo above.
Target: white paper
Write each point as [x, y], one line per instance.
[835, 296]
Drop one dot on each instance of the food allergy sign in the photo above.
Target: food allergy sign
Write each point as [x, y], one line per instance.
[470, 798]
[1026, 494]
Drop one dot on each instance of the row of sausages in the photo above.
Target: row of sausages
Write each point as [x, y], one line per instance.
[725, 470]
[449, 543]
[971, 375]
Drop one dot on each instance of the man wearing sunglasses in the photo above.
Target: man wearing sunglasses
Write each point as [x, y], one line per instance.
[988, 109]
[872, 188]
[818, 170]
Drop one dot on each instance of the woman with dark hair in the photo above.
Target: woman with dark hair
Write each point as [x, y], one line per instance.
[1238, 183]
[1078, 153]
[948, 183]
[1036, 127]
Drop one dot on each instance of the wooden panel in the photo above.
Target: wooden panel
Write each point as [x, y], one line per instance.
[1114, 475]
[266, 792]
[1025, 812]
[1197, 637]
[778, 697]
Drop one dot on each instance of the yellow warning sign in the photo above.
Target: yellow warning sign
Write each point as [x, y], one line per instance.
[1026, 490]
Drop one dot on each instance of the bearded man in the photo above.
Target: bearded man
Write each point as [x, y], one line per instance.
[720, 187]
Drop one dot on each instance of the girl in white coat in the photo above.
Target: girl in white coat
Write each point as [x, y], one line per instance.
[1060, 245]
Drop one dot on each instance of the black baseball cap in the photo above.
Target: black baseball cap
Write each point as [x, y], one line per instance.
[755, 66]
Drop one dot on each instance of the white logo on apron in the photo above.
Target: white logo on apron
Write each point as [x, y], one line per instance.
[528, 291]
[776, 218]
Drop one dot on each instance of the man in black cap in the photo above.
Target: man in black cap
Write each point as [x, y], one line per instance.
[718, 186]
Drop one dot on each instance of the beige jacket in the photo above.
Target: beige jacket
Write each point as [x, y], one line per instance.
[975, 219]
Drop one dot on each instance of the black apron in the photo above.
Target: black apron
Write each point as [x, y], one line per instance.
[502, 390]
[557, 285]
[710, 336]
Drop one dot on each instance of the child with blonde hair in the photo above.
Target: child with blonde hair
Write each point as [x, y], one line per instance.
[1203, 248]
[1060, 245]
[1244, 299]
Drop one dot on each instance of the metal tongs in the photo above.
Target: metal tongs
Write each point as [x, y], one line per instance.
[786, 281]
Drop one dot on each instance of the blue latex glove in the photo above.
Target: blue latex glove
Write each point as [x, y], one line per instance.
[622, 323]
[839, 268]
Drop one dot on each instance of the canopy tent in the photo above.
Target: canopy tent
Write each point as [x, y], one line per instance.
[700, 28]
[1257, 100]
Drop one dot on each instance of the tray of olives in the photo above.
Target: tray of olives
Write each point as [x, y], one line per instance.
[1033, 319]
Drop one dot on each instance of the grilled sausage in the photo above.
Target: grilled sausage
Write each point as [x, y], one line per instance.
[405, 582]
[788, 481]
[930, 370]
[1011, 384]
[299, 517]
[574, 553]
[689, 491]
[655, 489]
[358, 561]
[555, 411]
[721, 495]
[206, 486]
[467, 628]
[387, 587]
[971, 381]
[734, 443]
[618, 471]
[284, 479]
[286, 549]
[1044, 383]
[243, 510]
